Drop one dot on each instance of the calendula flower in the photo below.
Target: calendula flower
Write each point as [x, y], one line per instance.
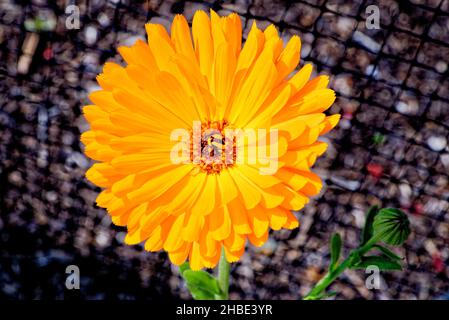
[204, 83]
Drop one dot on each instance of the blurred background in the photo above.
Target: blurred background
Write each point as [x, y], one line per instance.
[390, 148]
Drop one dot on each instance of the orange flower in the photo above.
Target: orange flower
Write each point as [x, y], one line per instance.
[195, 207]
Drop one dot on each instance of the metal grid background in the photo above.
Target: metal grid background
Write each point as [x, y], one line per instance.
[393, 94]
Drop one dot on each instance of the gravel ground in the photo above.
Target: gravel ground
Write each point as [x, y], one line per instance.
[391, 148]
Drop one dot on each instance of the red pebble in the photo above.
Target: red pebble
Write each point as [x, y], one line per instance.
[438, 264]
[374, 169]
[48, 53]
[347, 115]
[418, 207]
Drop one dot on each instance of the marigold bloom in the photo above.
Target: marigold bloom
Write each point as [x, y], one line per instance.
[192, 210]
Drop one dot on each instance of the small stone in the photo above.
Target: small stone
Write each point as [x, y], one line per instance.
[372, 70]
[292, 255]
[405, 191]
[345, 123]
[345, 25]
[68, 138]
[90, 35]
[53, 111]
[103, 19]
[10, 289]
[445, 160]
[441, 66]
[305, 50]
[418, 207]
[438, 263]
[78, 159]
[120, 237]
[42, 116]
[102, 239]
[366, 42]
[313, 274]
[409, 107]
[106, 221]
[359, 216]
[352, 185]
[343, 84]
[51, 196]
[15, 178]
[42, 158]
[437, 143]
[246, 271]
[375, 170]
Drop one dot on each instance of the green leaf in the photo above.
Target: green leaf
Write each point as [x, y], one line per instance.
[367, 231]
[183, 267]
[388, 252]
[335, 249]
[199, 294]
[383, 262]
[201, 284]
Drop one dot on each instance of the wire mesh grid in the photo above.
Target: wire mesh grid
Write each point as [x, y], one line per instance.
[390, 148]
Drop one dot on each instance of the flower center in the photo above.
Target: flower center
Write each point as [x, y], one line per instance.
[211, 148]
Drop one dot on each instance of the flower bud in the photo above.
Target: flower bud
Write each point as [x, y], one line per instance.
[391, 226]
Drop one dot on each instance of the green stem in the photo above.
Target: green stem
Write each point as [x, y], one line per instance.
[330, 276]
[327, 280]
[223, 276]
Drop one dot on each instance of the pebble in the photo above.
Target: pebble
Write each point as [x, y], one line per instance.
[120, 237]
[292, 255]
[42, 158]
[102, 239]
[345, 25]
[359, 216]
[437, 143]
[343, 85]
[53, 112]
[410, 107]
[79, 159]
[15, 178]
[344, 123]
[352, 185]
[246, 271]
[314, 260]
[10, 289]
[372, 71]
[441, 66]
[42, 116]
[366, 42]
[90, 35]
[51, 196]
[103, 19]
[305, 50]
[313, 274]
[405, 190]
[445, 160]
[405, 193]
[68, 138]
